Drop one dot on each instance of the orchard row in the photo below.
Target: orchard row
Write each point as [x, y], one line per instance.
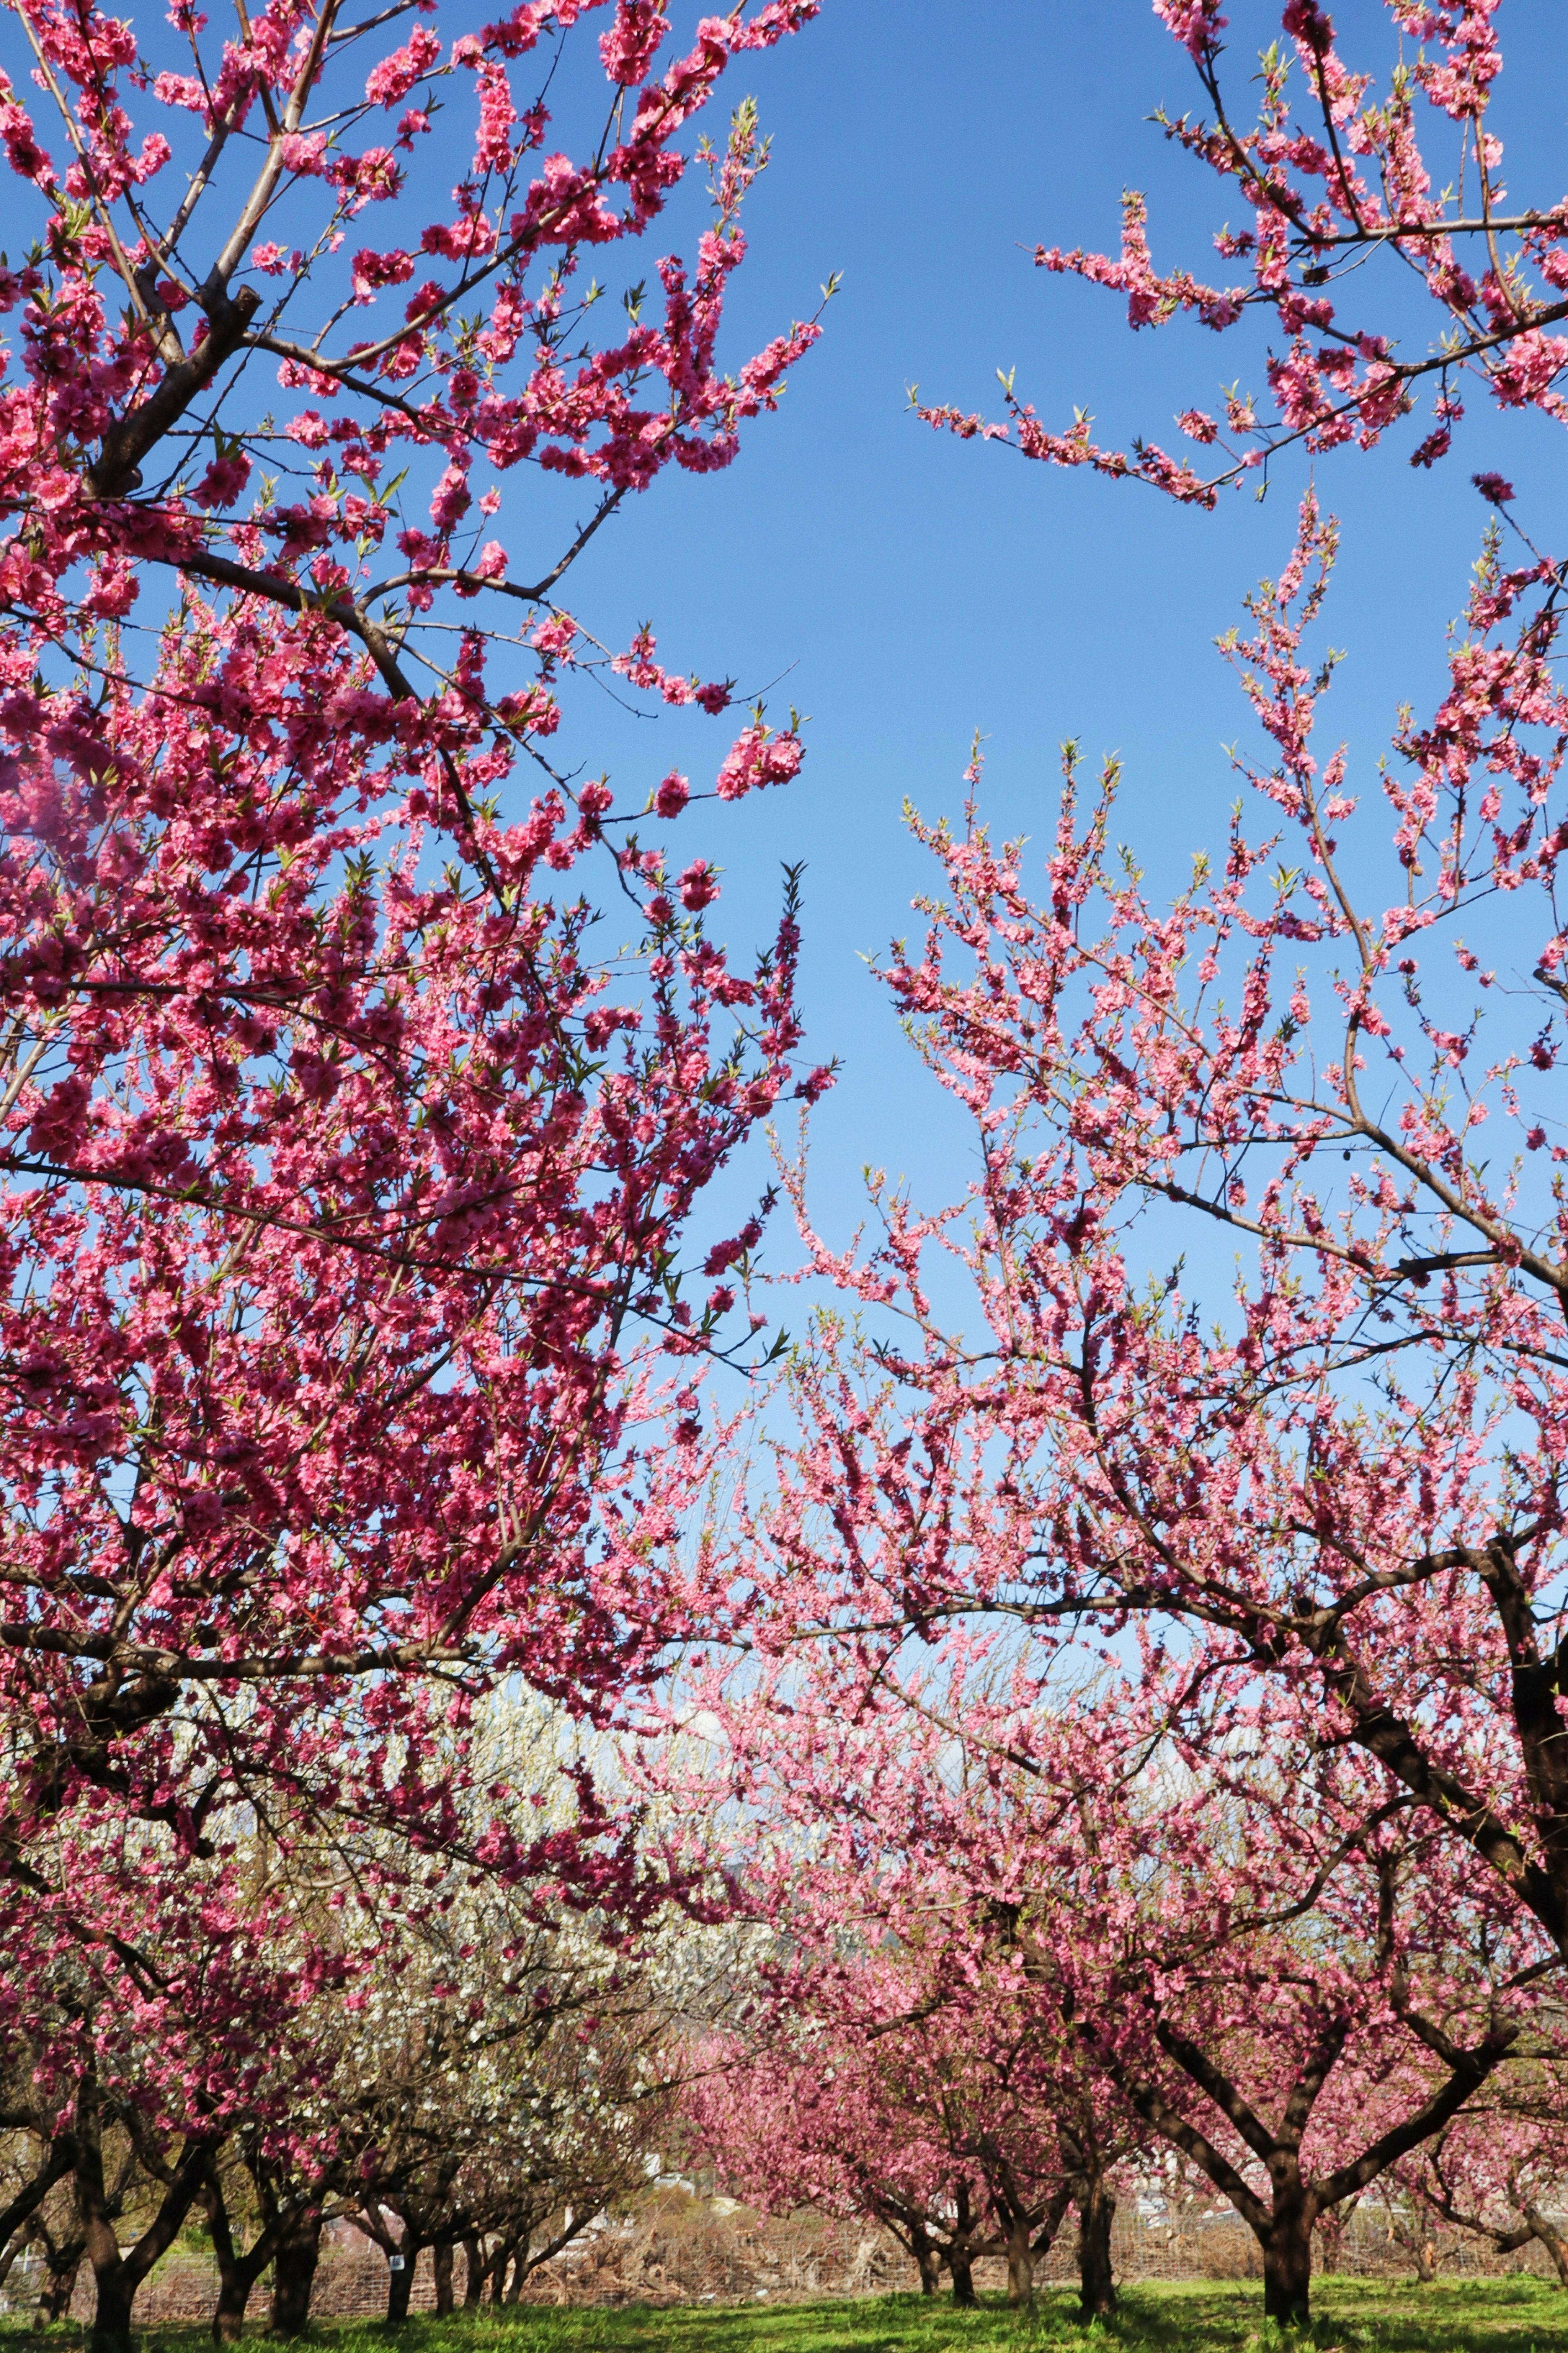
[1111, 1676]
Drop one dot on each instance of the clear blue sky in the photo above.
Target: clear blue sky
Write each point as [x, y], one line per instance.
[923, 588]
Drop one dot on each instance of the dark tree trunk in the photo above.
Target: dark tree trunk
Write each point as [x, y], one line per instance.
[59, 2282]
[1287, 2267]
[910, 2230]
[294, 2275]
[442, 2259]
[1020, 2266]
[399, 2284]
[114, 2294]
[237, 2273]
[228, 2312]
[1551, 2239]
[499, 2261]
[233, 2278]
[474, 2276]
[519, 2267]
[117, 2276]
[961, 2250]
[1097, 2285]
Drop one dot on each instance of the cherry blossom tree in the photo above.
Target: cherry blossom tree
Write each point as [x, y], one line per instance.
[1354, 164]
[350, 1185]
[1228, 1935]
[1352, 1479]
[137, 2051]
[1323, 1480]
[1497, 2173]
[811, 2120]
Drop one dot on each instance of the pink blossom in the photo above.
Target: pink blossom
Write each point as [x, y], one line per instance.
[395, 76]
[699, 886]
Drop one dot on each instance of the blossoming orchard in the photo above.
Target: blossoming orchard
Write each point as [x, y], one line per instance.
[555, 1638]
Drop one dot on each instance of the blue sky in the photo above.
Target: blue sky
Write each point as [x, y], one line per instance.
[922, 588]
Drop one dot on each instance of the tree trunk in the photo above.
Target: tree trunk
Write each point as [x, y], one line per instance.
[294, 2276]
[399, 2283]
[1551, 2239]
[519, 2266]
[59, 2283]
[961, 2250]
[237, 2274]
[1097, 2286]
[228, 2312]
[474, 2277]
[117, 2276]
[1287, 2267]
[114, 2293]
[442, 2259]
[1020, 2266]
[234, 2281]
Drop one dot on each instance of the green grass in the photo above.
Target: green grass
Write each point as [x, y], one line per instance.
[1507, 2316]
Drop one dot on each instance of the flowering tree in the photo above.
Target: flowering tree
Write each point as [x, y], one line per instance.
[1324, 1484]
[1229, 1941]
[134, 2051]
[336, 1188]
[348, 1344]
[505, 2082]
[1342, 168]
[810, 2119]
[1497, 2172]
[1353, 1481]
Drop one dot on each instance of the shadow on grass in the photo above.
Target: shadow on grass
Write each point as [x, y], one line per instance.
[1511, 2315]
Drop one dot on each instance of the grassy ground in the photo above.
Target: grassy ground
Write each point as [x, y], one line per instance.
[1514, 2315]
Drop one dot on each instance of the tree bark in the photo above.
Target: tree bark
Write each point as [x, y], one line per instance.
[442, 2259]
[237, 2273]
[500, 2262]
[1287, 2265]
[117, 2276]
[961, 2249]
[908, 2227]
[1020, 2264]
[59, 2281]
[474, 2277]
[1096, 2284]
[114, 2293]
[228, 2312]
[294, 2275]
[398, 2287]
[1551, 2239]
